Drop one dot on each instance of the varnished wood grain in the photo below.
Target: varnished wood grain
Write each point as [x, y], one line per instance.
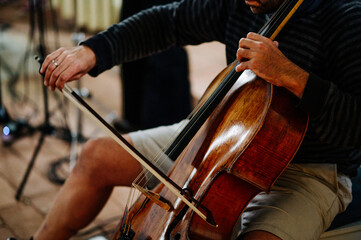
[241, 150]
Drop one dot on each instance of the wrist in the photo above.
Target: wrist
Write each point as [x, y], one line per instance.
[297, 81]
[91, 58]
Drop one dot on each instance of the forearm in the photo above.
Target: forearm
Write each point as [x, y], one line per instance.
[136, 37]
[157, 29]
[334, 114]
[295, 80]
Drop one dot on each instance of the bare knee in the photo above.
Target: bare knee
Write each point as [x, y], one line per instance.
[94, 153]
[106, 162]
[260, 235]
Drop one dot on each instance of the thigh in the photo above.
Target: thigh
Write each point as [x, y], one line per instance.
[301, 205]
[152, 143]
[105, 162]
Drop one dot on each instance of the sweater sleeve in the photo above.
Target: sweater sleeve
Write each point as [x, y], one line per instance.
[157, 29]
[334, 105]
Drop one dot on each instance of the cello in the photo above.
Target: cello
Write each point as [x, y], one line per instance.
[244, 142]
[242, 137]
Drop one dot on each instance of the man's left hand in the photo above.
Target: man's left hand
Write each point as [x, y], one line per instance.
[262, 56]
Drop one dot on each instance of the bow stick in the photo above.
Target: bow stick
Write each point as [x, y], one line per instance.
[70, 94]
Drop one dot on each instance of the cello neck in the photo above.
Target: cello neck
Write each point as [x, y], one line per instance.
[271, 29]
[279, 19]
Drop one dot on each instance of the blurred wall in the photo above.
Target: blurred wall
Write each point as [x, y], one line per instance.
[93, 15]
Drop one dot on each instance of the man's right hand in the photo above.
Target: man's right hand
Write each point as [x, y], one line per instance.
[67, 64]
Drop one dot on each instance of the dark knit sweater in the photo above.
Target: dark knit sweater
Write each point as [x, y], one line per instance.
[326, 43]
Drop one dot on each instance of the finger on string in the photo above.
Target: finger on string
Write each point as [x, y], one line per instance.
[244, 54]
[256, 36]
[259, 38]
[246, 43]
[241, 66]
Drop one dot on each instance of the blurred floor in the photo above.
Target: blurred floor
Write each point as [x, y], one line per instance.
[21, 218]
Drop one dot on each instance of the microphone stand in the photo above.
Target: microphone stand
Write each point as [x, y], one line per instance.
[4, 116]
[46, 128]
[10, 129]
[76, 136]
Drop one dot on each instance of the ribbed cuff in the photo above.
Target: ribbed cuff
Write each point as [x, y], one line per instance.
[315, 95]
[102, 51]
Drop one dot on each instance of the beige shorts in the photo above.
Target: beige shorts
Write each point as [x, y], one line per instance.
[301, 206]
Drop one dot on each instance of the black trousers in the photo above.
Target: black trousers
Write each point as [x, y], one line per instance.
[159, 94]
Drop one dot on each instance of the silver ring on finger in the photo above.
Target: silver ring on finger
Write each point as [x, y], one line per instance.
[55, 63]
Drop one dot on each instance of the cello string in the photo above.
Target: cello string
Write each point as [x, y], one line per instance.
[275, 17]
[233, 72]
[126, 218]
[265, 30]
[160, 157]
[157, 159]
[267, 27]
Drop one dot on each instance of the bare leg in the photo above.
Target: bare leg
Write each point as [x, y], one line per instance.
[103, 164]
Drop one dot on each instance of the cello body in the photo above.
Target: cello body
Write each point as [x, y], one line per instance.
[241, 149]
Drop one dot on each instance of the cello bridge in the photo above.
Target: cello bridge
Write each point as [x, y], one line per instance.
[155, 197]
